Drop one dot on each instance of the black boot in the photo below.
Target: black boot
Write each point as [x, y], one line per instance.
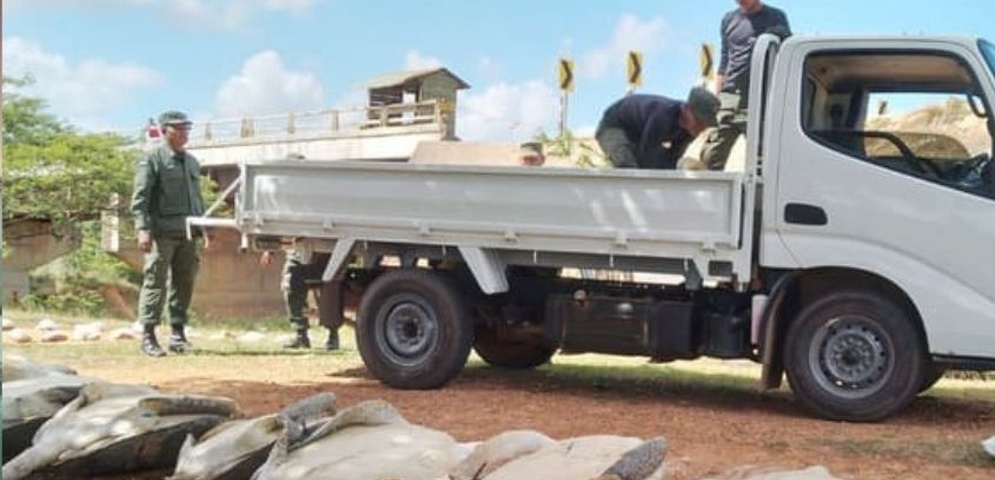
[178, 340]
[300, 340]
[150, 346]
[333, 340]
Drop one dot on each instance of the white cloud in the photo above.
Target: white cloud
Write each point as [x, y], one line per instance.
[265, 85]
[507, 112]
[416, 61]
[631, 33]
[221, 14]
[76, 3]
[293, 6]
[82, 91]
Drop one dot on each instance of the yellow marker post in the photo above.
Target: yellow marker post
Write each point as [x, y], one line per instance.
[634, 69]
[566, 72]
[707, 61]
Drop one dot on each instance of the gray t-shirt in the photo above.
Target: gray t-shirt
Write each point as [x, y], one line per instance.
[739, 33]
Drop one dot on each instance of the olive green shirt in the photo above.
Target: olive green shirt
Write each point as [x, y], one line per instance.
[167, 190]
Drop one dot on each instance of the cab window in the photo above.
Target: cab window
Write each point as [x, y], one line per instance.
[918, 113]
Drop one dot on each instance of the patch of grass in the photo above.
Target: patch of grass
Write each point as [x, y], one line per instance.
[952, 452]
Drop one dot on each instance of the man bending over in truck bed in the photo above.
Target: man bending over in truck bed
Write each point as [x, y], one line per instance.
[652, 131]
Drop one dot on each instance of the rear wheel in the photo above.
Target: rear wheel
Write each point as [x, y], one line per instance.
[509, 352]
[413, 329]
[854, 356]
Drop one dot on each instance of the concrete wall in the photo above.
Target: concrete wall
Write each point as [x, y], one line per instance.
[230, 283]
[396, 143]
[29, 245]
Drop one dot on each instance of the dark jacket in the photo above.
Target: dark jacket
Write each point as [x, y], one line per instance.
[651, 123]
[167, 190]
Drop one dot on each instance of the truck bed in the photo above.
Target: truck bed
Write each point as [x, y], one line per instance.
[617, 213]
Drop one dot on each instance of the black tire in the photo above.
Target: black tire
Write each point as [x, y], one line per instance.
[511, 354]
[413, 329]
[854, 356]
[933, 374]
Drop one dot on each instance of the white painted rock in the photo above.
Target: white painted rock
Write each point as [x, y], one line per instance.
[251, 337]
[47, 325]
[87, 332]
[54, 336]
[989, 446]
[8, 324]
[122, 334]
[18, 336]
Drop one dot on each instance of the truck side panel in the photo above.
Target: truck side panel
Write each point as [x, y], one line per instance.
[629, 213]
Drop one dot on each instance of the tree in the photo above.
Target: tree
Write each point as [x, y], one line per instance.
[53, 172]
[24, 121]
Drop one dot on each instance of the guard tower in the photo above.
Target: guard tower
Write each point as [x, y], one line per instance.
[413, 95]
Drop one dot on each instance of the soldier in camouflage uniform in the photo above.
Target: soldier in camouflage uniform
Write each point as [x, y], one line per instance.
[167, 190]
[297, 271]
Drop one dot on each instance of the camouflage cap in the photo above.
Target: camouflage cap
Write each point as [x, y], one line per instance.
[704, 104]
[173, 117]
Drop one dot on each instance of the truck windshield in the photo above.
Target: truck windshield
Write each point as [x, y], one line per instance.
[988, 50]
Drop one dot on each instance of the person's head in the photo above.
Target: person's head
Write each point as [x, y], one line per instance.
[530, 154]
[749, 6]
[176, 127]
[698, 113]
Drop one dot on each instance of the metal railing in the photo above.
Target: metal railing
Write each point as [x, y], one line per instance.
[315, 122]
[319, 121]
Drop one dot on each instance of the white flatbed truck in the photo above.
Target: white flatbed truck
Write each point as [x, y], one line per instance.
[852, 259]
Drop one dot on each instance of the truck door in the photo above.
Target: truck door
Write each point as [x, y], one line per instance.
[885, 168]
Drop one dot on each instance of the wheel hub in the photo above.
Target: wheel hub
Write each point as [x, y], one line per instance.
[408, 329]
[852, 356]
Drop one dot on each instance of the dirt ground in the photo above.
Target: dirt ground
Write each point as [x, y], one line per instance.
[711, 430]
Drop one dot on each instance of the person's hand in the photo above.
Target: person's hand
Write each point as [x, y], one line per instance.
[145, 241]
[266, 258]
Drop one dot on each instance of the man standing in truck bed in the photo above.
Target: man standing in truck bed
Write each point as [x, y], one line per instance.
[740, 29]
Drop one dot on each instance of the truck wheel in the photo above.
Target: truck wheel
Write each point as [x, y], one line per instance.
[512, 354]
[854, 356]
[413, 329]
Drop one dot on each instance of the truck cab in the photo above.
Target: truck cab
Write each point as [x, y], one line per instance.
[867, 223]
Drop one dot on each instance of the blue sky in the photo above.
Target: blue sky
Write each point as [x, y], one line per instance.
[110, 64]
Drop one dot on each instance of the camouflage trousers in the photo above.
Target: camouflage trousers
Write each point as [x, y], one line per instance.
[731, 120]
[172, 263]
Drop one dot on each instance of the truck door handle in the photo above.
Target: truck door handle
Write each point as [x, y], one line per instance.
[804, 214]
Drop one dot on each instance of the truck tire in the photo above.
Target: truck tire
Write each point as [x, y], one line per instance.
[854, 356]
[514, 355]
[413, 330]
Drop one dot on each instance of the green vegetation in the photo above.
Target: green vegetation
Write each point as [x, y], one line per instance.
[54, 173]
[569, 146]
